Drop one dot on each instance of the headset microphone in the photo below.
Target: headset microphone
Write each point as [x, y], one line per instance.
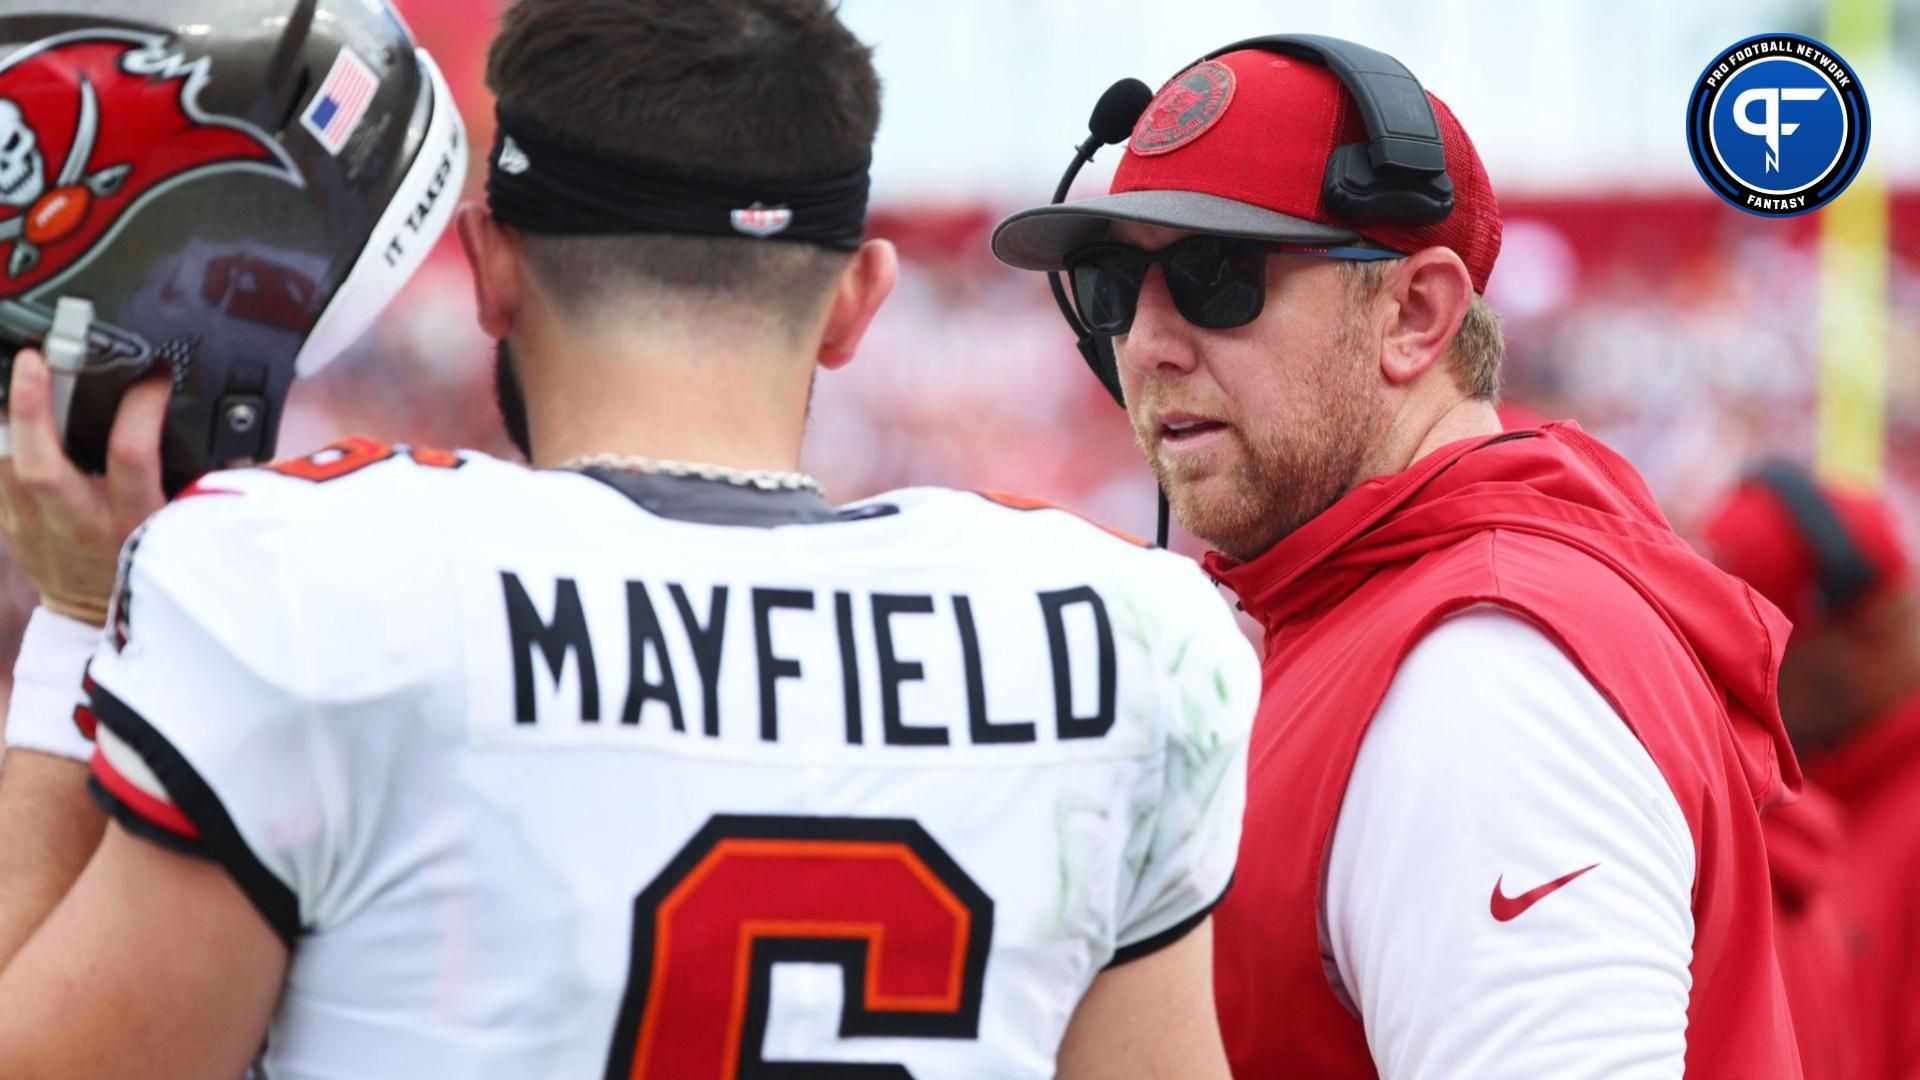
[1114, 116]
[1112, 122]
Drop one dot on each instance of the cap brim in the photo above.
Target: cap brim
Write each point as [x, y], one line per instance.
[1041, 238]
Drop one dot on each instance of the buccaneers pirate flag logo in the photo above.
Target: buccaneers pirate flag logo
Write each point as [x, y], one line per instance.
[92, 125]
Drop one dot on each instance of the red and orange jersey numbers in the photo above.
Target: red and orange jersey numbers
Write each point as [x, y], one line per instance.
[876, 896]
[356, 452]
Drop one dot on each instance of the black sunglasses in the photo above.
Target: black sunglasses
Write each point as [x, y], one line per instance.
[1217, 282]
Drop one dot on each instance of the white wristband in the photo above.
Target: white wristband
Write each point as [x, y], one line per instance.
[46, 686]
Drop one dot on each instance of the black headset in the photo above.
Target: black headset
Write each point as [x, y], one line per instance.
[1843, 572]
[1398, 176]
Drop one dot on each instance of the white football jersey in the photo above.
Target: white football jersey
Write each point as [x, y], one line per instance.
[544, 774]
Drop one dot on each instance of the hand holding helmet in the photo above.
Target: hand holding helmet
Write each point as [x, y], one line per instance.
[64, 528]
[236, 203]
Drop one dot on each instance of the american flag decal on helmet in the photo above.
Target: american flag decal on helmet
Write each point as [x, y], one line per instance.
[338, 106]
[762, 221]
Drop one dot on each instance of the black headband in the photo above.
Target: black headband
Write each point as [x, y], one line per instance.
[544, 183]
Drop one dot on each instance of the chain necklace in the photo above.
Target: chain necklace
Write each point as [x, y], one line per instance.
[762, 479]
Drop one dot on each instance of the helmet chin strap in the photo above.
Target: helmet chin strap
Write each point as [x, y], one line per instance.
[1163, 526]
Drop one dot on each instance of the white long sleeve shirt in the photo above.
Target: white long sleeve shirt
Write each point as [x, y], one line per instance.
[1493, 770]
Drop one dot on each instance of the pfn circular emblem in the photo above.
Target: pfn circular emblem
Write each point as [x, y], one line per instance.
[1184, 109]
[1778, 125]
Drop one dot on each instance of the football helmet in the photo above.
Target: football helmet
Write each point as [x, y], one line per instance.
[236, 187]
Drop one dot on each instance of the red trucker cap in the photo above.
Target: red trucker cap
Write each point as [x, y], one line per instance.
[1238, 146]
[1753, 535]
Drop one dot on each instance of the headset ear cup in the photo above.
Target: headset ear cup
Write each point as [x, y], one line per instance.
[1357, 191]
[1348, 175]
[1843, 571]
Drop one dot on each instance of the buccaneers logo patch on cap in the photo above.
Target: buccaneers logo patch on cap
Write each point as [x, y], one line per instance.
[92, 124]
[1184, 109]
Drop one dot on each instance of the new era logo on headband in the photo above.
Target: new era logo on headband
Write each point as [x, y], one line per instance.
[543, 181]
[512, 160]
[762, 221]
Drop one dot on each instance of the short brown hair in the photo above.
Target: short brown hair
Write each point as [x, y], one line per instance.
[1478, 346]
[742, 89]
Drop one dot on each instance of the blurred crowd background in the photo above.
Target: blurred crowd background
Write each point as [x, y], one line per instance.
[1681, 331]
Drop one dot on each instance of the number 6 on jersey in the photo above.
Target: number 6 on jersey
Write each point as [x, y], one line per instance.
[876, 896]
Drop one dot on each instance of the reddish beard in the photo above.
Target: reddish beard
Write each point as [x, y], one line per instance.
[1279, 472]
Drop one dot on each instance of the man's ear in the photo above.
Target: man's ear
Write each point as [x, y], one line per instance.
[864, 285]
[1428, 294]
[493, 253]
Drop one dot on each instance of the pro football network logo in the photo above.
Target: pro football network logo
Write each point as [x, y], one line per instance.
[92, 125]
[1778, 125]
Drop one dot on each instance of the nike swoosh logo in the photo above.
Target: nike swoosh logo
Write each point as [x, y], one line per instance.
[1506, 908]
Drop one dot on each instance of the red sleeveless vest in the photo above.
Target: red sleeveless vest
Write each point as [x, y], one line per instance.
[1555, 527]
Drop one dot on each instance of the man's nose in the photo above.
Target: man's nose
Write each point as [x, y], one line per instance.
[1161, 340]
